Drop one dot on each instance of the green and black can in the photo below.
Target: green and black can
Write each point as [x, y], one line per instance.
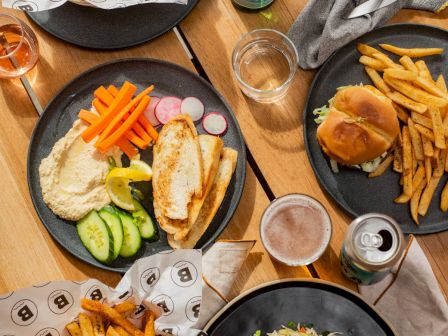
[373, 245]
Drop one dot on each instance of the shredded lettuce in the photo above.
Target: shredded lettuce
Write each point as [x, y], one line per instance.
[307, 330]
[321, 114]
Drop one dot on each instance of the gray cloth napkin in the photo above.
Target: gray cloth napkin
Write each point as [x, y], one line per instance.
[410, 298]
[321, 27]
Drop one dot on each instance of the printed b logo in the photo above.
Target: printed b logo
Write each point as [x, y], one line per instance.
[165, 302]
[184, 274]
[24, 312]
[60, 301]
[47, 332]
[174, 331]
[192, 308]
[149, 278]
[27, 6]
[95, 293]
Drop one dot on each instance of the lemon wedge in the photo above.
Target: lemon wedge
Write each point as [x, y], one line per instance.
[118, 179]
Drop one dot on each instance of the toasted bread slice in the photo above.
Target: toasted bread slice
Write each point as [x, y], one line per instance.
[177, 168]
[212, 202]
[211, 148]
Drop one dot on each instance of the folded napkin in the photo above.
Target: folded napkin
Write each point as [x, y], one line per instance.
[220, 267]
[322, 27]
[410, 298]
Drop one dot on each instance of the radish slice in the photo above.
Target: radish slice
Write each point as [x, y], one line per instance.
[193, 107]
[167, 108]
[149, 111]
[214, 123]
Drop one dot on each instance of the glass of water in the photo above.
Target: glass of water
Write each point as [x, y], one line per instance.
[265, 62]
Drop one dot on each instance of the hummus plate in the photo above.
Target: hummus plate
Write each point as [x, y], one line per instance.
[62, 111]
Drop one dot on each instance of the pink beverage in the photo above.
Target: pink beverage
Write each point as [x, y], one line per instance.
[295, 229]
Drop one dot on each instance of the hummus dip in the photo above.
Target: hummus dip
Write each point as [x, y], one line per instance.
[73, 176]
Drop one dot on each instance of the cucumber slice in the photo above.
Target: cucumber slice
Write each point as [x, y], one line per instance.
[111, 218]
[96, 237]
[144, 222]
[132, 240]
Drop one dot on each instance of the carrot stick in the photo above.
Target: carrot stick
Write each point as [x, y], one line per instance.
[148, 127]
[122, 143]
[102, 94]
[120, 114]
[106, 143]
[87, 116]
[99, 106]
[135, 139]
[112, 90]
[137, 128]
[126, 92]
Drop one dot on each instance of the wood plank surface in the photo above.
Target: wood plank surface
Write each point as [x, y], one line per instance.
[36, 258]
[275, 130]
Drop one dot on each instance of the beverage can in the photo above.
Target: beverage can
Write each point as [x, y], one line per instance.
[252, 4]
[373, 245]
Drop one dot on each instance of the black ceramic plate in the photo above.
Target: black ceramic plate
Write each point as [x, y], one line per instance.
[113, 28]
[169, 79]
[327, 306]
[351, 189]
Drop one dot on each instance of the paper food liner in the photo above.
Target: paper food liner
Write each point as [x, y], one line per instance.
[169, 282]
[41, 5]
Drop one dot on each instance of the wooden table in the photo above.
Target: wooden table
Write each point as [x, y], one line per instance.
[30, 256]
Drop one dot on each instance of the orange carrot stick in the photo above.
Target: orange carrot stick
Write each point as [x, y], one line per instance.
[123, 98]
[135, 139]
[102, 94]
[105, 144]
[148, 127]
[120, 114]
[99, 106]
[112, 90]
[122, 143]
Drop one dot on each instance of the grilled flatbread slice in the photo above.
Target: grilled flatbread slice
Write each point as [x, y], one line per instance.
[211, 148]
[177, 168]
[212, 202]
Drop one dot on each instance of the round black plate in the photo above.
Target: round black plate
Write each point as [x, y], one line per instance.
[327, 306]
[112, 28]
[169, 79]
[351, 189]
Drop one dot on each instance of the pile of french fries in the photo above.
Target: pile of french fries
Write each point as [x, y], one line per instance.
[420, 154]
[104, 320]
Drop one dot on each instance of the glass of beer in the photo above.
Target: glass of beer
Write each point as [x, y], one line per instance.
[19, 49]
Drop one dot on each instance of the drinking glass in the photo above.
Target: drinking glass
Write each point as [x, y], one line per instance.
[19, 48]
[265, 62]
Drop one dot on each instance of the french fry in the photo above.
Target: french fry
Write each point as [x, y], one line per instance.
[415, 93]
[85, 324]
[111, 314]
[423, 69]
[125, 307]
[441, 84]
[425, 200]
[428, 169]
[367, 50]
[437, 127]
[98, 325]
[436, 155]
[407, 162]
[73, 329]
[415, 201]
[430, 86]
[446, 163]
[372, 63]
[381, 169]
[111, 332]
[120, 331]
[440, 164]
[402, 100]
[414, 52]
[408, 64]
[401, 113]
[418, 178]
[416, 141]
[425, 132]
[414, 161]
[421, 120]
[428, 149]
[401, 74]
[444, 199]
[377, 80]
[149, 325]
[386, 60]
[398, 160]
